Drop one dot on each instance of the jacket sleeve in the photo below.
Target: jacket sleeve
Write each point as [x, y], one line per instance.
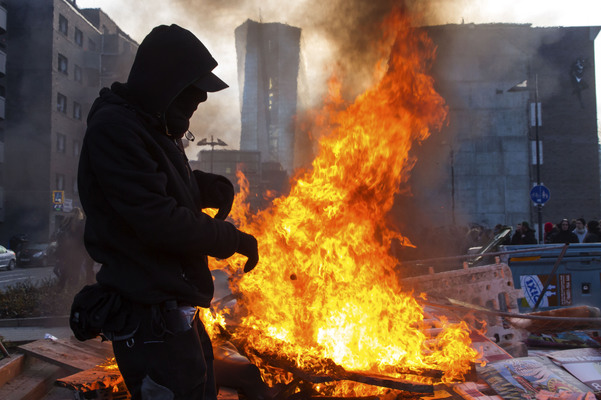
[136, 190]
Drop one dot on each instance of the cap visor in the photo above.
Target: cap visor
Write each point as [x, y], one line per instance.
[210, 83]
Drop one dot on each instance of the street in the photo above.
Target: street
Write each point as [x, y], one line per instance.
[38, 274]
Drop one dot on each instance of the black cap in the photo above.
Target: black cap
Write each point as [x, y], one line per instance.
[210, 83]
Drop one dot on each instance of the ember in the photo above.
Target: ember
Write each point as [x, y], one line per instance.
[326, 288]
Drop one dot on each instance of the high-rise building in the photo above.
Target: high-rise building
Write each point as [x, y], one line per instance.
[268, 68]
[57, 58]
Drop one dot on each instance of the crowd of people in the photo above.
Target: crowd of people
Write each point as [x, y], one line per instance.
[447, 241]
[565, 231]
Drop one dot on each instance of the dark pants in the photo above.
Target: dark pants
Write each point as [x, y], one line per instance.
[159, 365]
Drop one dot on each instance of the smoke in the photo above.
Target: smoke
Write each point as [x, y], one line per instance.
[338, 37]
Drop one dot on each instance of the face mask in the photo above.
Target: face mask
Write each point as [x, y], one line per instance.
[177, 116]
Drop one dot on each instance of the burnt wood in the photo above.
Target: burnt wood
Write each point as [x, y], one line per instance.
[334, 372]
[70, 354]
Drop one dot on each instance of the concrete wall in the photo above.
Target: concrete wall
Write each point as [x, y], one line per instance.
[478, 168]
[569, 124]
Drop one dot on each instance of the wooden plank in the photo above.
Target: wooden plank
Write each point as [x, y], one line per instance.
[227, 394]
[95, 346]
[96, 378]
[337, 373]
[389, 382]
[59, 393]
[11, 367]
[71, 355]
[308, 396]
[330, 371]
[33, 383]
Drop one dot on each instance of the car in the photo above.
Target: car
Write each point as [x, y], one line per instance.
[35, 254]
[8, 258]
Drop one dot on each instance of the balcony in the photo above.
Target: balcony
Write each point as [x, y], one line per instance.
[2, 18]
[2, 63]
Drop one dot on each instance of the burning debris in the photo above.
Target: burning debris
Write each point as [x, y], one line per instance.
[326, 305]
[327, 288]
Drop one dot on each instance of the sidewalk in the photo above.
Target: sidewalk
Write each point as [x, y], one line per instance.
[31, 329]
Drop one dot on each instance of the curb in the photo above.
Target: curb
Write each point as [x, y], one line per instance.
[35, 322]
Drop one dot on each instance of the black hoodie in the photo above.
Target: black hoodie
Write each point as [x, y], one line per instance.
[144, 223]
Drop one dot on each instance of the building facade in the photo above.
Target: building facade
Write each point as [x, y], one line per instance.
[481, 167]
[58, 57]
[268, 70]
[3, 27]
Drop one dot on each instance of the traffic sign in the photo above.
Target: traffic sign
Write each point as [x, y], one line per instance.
[58, 196]
[540, 194]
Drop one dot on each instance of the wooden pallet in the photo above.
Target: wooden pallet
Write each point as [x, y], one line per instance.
[25, 378]
[34, 372]
[71, 354]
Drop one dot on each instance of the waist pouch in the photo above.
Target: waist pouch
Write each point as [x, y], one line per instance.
[97, 311]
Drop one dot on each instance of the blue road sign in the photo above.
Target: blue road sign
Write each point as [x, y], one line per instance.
[58, 196]
[540, 194]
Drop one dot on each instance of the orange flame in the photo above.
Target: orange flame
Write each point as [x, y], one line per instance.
[326, 287]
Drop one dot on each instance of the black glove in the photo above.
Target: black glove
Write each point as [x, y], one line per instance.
[247, 246]
[223, 197]
[217, 192]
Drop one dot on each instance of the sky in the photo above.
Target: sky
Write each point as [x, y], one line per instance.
[337, 36]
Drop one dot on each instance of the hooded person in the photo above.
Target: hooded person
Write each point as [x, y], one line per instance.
[593, 232]
[145, 224]
[548, 232]
[564, 234]
[524, 235]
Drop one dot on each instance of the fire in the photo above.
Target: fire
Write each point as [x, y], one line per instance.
[325, 287]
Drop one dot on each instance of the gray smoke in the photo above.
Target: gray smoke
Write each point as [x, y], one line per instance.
[338, 36]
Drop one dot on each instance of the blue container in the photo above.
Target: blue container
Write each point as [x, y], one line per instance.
[576, 282]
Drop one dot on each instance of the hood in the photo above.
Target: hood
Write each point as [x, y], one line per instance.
[108, 96]
[169, 59]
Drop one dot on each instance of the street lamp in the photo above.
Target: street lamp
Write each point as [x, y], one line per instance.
[539, 206]
[542, 192]
[212, 143]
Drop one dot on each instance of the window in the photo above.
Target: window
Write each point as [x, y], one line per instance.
[76, 148]
[76, 110]
[78, 37]
[75, 188]
[77, 73]
[63, 24]
[61, 103]
[60, 182]
[91, 45]
[63, 64]
[61, 143]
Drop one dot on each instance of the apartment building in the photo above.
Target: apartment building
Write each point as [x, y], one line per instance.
[57, 58]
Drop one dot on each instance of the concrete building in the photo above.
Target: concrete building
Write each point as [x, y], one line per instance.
[58, 57]
[2, 103]
[268, 69]
[481, 168]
